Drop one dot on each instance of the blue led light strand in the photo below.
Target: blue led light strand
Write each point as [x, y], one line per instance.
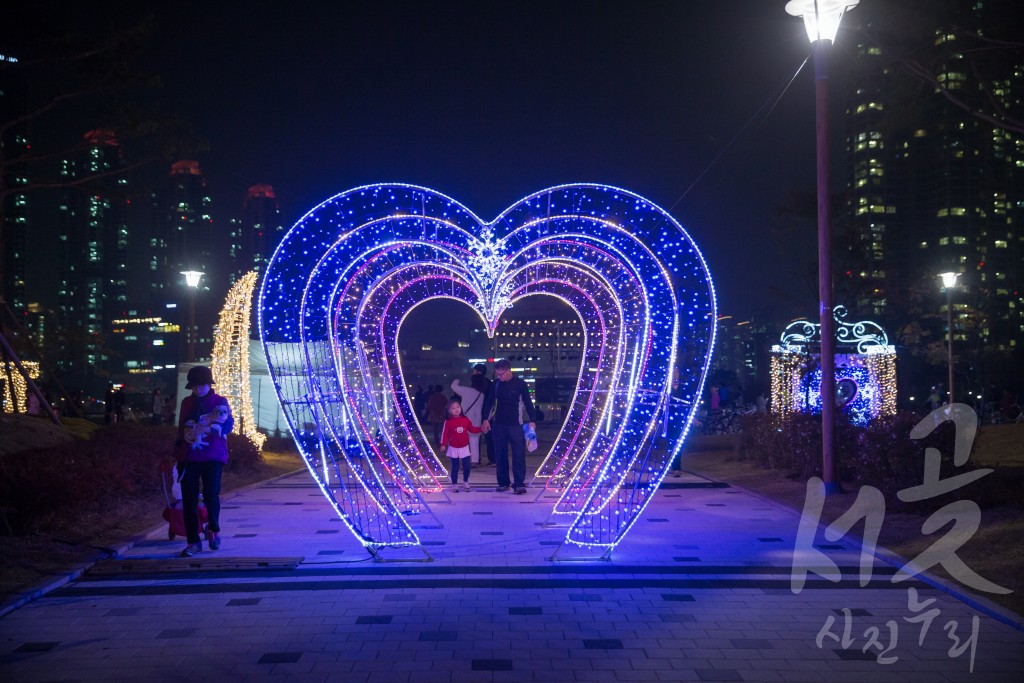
[352, 269]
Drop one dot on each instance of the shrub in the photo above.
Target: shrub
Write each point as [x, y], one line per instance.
[242, 453]
[280, 444]
[39, 487]
[880, 454]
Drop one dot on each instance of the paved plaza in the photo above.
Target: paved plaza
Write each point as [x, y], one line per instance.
[700, 590]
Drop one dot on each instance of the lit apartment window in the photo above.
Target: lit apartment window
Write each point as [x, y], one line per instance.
[959, 239]
[1001, 244]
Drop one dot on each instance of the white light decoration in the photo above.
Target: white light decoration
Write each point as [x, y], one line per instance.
[865, 378]
[821, 17]
[20, 385]
[230, 362]
[192, 277]
[349, 272]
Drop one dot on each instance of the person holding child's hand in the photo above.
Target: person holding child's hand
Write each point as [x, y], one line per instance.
[455, 441]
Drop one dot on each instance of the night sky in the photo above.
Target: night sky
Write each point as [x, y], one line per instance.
[488, 102]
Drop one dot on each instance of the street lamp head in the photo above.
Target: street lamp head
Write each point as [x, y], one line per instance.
[821, 17]
[192, 277]
[949, 279]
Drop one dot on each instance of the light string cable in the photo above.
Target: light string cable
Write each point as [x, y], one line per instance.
[774, 98]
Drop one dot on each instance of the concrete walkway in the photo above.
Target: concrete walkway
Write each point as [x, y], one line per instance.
[699, 591]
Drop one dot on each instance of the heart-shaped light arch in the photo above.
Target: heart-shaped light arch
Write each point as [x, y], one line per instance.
[349, 272]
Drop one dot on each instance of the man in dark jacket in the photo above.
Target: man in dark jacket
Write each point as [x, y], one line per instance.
[504, 425]
[204, 422]
[483, 385]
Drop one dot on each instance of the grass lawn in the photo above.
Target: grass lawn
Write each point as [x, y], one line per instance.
[994, 551]
[31, 560]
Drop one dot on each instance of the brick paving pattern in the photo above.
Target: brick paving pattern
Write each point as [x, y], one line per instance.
[699, 591]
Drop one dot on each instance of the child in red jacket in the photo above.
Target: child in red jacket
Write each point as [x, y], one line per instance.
[455, 439]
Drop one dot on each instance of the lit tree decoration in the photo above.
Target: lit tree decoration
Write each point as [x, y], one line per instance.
[865, 376]
[20, 385]
[230, 363]
[349, 272]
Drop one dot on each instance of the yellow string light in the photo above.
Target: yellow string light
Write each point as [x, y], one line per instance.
[787, 367]
[20, 385]
[230, 363]
[881, 364]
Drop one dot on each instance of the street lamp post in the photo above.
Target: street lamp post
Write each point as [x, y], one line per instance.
[192, 278]
[949, 282]
[821, 20]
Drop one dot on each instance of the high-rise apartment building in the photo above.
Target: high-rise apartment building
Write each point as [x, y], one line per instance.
[16, 217]
[92, 253]
[741, 359]
[935, 187]
[183, 237]
[255, 237]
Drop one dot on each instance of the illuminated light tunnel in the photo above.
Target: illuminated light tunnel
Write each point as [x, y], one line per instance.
[347, 274]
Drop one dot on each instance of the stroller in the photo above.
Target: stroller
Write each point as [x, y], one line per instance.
[174, 513]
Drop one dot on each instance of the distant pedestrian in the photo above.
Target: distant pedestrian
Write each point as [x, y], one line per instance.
[676, 402]
[481, 383]
[504, 399]
[436, 406]
[34, 407]
[158, 406]
[108, 404]
[455, 441]
[419, 401]
[422, 415]
[119, 405]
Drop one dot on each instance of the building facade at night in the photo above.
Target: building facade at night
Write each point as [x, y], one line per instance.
[92, 251]
[184, 236]
[741, 357]
[257, 234]
[931, 188]
[16, 215]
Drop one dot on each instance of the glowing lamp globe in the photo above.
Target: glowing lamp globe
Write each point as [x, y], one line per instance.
[821, 17]
[949, 279]
[192, 277]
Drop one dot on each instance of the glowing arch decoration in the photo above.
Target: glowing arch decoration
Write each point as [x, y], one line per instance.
[865, 374]
[348, 273]
[230, 362]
